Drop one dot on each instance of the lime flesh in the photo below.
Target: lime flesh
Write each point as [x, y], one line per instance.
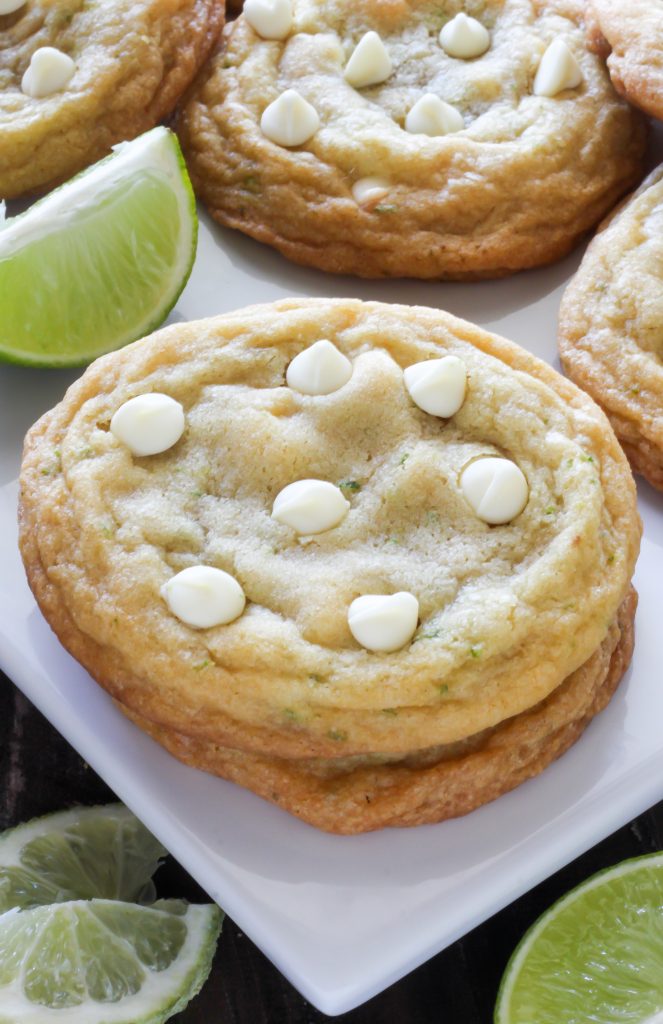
[596, 957]
[102, 962]
[100, 261]
[86, 853]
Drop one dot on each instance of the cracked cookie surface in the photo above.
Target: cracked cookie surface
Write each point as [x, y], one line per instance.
[630, 36]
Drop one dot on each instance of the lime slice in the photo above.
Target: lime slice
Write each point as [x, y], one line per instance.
[595, 956]
[86, 853]
[102, 962]
[100, 261]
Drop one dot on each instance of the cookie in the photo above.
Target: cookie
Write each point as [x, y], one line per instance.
[610, 335]
[431, 785]
[630, 36]
[368, 560]
[410, 139]
[78, 76]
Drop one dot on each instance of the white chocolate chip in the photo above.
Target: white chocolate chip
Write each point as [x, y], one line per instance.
[369, 190]
[290, 120]
[432, 116]
[464, 37]
[319, 370]
[310, 506]
[558, 70]
[9, 6]
[49, 71]
[369, 62]
[202, 596]
[437, 385]
[271, 19]
[495, 488]
[149, 424]
[383, 623]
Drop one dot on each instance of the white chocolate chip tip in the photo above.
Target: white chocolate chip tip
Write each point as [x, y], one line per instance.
[202, 596]
[290, 120]
[9, 6]
[149, 424]
[271, 19]
[319, 370]
[437, 385]
[310, 506]
[384, 623]
[369, 62]
[558, 70]
[49, 71]
[464, 37]
[495, 488]
[430, 115]
[369, 190]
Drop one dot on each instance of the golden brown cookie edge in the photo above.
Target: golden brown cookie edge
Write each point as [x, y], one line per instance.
[366, 799]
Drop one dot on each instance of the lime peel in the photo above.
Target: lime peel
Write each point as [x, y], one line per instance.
[594, 956]
[110, 946]
[100, 261]
[78, 854]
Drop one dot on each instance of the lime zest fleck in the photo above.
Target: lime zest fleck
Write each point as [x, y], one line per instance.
[252, 183]
[431, 635]
[339, 735]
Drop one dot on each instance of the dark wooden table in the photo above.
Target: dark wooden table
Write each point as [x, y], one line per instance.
[40, 772]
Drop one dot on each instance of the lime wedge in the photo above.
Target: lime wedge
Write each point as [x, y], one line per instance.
[86, 853]
[101, 260]
[595, 956]
[102, 962]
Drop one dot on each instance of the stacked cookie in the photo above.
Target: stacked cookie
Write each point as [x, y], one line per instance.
[367, 560]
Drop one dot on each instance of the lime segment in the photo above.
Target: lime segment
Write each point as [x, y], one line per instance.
[86, 853]
[102, 962]
[596, 957]
[100, 261]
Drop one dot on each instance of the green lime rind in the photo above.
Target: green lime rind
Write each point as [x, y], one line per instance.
[101, 260]
[84, 853]
[595, 957]
[104, 962]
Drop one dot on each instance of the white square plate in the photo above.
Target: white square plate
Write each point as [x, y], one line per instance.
[343, 918]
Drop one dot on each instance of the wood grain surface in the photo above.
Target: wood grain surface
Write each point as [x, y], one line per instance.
[40, 772]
